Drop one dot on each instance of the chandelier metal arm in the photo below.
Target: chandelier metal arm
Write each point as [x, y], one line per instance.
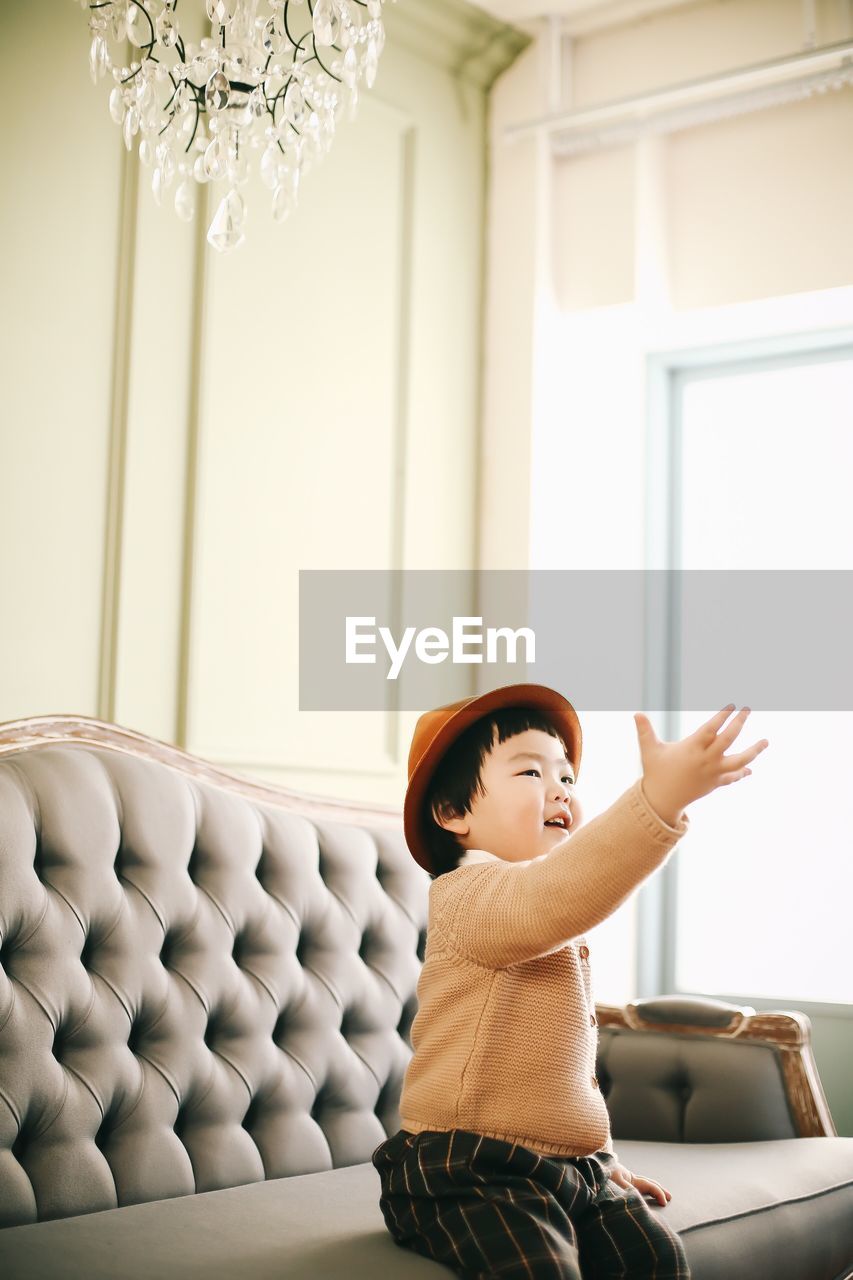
[197, 92]
[297, 45]
[315, 54]
[168, 104]
[329, 73]
[107, 4]
[153, 40]
[287, 28]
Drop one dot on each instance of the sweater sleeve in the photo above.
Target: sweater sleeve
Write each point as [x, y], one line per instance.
[501, 914]
[608, 1147]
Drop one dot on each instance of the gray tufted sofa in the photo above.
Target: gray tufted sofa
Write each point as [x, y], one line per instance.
[206, 992]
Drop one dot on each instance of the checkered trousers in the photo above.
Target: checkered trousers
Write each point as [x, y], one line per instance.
[486, 1208]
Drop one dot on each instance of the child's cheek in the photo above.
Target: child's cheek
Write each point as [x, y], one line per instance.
[577, 813]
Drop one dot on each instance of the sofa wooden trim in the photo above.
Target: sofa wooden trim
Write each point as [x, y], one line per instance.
[787, 1032]
[41, 731]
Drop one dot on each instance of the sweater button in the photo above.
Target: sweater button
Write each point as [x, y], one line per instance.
[592, 1019]
[595, 1082]
[583, 951]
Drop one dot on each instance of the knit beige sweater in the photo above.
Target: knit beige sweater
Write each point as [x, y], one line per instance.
[505, 1036]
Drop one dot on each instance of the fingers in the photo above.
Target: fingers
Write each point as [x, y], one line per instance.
[647, 1186]
[744, 757]
[728, 735]
[645, 728]
[717, 721]
[734, 777]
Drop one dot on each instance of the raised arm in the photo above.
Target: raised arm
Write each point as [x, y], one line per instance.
[502, 913]
[506, 913]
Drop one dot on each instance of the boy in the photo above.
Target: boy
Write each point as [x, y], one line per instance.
[504, 1164]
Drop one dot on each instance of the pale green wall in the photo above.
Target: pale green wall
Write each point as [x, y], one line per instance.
[184, 431]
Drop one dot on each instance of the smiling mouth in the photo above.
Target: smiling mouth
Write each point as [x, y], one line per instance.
[557, 825]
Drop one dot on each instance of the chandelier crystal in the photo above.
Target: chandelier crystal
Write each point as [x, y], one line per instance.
[270, 81]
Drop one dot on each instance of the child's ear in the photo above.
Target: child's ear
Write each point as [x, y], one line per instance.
[446, 817]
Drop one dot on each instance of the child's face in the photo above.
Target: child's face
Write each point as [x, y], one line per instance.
[526, 781]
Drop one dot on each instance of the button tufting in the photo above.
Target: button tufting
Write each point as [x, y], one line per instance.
[19, 1144]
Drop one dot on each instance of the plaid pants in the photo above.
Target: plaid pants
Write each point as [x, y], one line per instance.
[486, 1208]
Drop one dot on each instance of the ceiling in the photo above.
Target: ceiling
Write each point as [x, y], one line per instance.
[578, 15]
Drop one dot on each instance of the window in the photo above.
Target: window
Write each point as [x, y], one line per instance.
[762, 476]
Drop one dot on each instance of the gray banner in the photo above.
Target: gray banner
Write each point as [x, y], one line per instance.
[610, 640]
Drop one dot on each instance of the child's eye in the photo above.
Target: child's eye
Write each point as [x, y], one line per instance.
[566, 777]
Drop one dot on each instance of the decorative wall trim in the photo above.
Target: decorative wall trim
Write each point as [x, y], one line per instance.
[199, 300]
[470, 44]
[403, 364]
[251, 765]
[117, 449]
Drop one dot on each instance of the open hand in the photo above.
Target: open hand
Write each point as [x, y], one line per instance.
[624, 1178]
[676, 773]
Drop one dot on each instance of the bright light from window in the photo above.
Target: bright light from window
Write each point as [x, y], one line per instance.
[765, 880]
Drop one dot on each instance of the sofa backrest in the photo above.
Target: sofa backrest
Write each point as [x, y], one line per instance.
[203, 982]
[206, 982]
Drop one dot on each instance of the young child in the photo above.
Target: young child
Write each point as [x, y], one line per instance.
[504, 1164]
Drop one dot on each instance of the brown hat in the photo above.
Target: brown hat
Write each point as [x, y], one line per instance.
[436, 731]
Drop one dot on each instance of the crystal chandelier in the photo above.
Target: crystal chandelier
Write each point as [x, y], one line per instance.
[269, 82]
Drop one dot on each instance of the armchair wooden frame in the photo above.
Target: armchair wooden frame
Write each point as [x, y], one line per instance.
[786, 1032]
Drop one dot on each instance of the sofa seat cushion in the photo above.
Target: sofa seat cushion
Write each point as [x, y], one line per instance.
[782, 1209]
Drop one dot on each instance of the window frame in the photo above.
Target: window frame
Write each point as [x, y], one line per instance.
[667, 374]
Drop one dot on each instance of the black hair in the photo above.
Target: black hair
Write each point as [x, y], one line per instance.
[457, 777]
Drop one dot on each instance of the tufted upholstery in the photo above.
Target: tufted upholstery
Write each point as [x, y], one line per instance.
[197, 990]
[692, 1089]
[206, 994]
